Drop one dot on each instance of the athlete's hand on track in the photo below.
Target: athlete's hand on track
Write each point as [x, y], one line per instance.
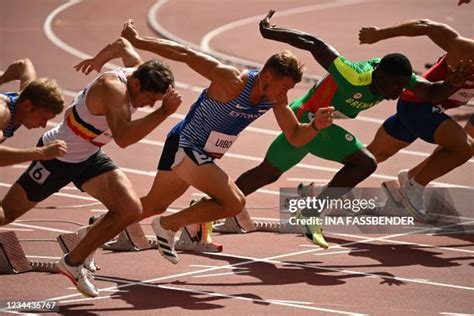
[368, 35]
[463, 1]
[171, 101]
[130, 32]
[459, 75]
[323, 117]
[56, 148]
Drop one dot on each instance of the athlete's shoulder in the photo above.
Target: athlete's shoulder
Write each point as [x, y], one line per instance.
[356, 73]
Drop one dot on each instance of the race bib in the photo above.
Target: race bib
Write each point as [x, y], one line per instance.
[218, 143]
[462, 96]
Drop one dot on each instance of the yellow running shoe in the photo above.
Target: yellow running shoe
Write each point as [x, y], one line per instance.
[313, 232]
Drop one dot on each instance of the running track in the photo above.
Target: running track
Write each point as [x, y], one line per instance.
[259, 272]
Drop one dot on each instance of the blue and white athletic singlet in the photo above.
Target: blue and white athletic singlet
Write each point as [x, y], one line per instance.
[211, 127]
[10, 129]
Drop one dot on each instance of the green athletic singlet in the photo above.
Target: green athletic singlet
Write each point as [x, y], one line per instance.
[347, 89]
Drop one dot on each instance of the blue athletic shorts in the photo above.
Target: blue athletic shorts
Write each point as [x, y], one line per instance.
[414, 120]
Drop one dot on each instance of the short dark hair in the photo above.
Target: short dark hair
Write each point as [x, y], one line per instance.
[285, 64]
[395, 65]
[154, 75]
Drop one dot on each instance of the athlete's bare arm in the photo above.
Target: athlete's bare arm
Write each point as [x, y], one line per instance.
[322, 52]
[458, 47]
[437, 92]
[121, 48]
[22, 70]
[226, 80]
[112, 94]
[299, 134]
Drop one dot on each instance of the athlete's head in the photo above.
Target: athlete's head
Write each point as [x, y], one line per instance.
[280, 73]
[40, 101]
[151, 80]
[392, 75]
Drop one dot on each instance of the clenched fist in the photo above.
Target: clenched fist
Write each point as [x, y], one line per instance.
[171, 101]
[323, 117]
[56, 148]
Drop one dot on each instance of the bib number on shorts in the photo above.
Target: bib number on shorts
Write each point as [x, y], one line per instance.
[39, 173]
[218, 143]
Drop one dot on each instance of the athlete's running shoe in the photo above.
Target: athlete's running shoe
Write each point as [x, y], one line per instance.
[412, 200]
[79, 276]
[313, 232]
[165, 239]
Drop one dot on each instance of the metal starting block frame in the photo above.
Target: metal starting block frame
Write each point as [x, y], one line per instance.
[13, 259]
[133, 239]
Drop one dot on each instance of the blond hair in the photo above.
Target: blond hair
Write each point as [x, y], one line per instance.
[285, 64]
[44, 93]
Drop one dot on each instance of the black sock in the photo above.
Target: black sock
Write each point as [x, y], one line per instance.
[66, 258]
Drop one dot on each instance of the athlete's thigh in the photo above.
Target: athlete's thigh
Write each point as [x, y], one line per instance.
[385, 144]
[335, 143]
[208, 178]
[113, 189]
[451, 135]
[167, 187]
[16, 202]
[282, 155]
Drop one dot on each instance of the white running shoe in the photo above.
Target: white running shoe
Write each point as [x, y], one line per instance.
[89, 263]
[165, 241]
[403, 178]
[79, 276]
[412, 200]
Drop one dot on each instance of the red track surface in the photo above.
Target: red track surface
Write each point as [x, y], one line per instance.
[259, 272]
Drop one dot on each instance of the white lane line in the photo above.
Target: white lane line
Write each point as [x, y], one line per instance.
[206, 39]
[16, 229]
[219, 274]
[212, 266]
[42, 228]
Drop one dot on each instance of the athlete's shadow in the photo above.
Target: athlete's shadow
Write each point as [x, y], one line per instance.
[398, 255]
[254, 273]
[151, 296]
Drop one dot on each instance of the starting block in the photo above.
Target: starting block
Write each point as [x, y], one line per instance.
[240, 224]
[197, 237]
[13, 259]
[191, 239]
[131, 239]
[12, 256]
